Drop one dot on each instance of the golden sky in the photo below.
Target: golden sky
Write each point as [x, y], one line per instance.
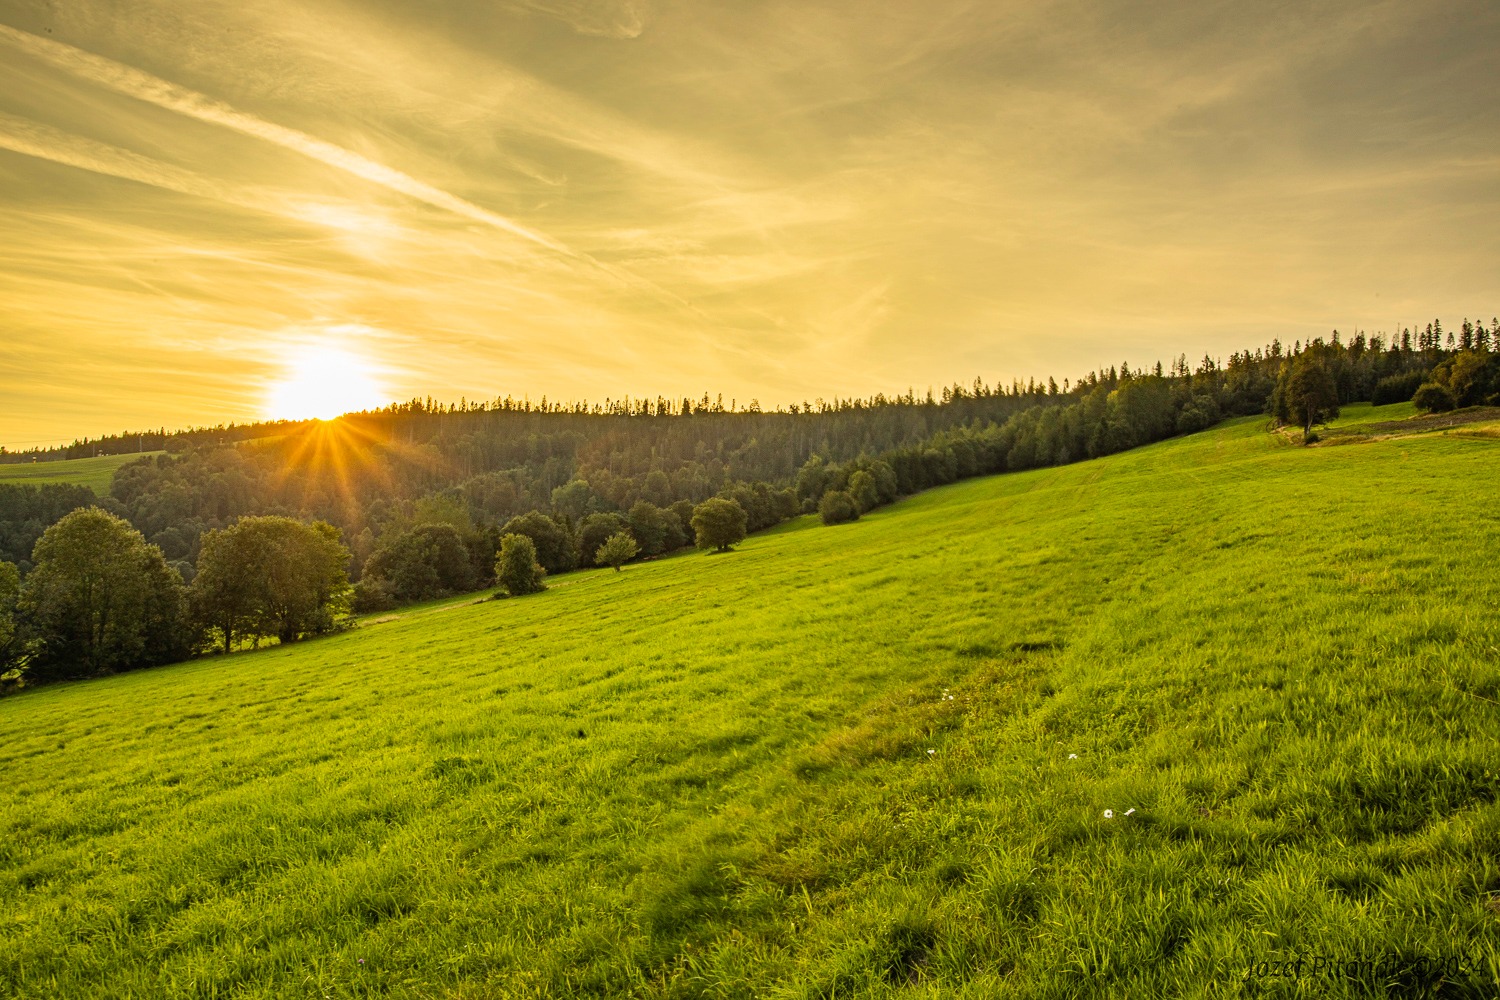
[770, 200]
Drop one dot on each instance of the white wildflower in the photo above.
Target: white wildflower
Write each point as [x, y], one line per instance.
[1129, 811]
[1072, 756]
[1109, 814]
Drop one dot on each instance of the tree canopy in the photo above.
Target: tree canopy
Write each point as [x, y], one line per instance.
[516, 568]
[270, 576]
[718, 524]
[99, 599]
[617, 549]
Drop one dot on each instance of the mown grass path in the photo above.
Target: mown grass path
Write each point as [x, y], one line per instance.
[865, 760]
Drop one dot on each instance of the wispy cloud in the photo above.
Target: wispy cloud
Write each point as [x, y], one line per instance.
[852, 195]
[154, 90]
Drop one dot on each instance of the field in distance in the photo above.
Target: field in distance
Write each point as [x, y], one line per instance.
[95, 473]
[1129, 727]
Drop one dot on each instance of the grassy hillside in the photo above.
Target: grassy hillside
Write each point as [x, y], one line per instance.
[95, 473]
[866, 760]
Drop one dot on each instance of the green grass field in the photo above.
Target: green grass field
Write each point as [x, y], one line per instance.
[95, 473]
[871, 760]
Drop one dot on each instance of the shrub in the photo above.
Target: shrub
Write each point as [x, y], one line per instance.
[1433, 398]
[837, 507]
[373, 594]
[718, 524]
[616, 549]
[655, 530]
[428, 561]
[1395, 388]
[862, 490]
[516, 569]
[555, 547]
[595, 530]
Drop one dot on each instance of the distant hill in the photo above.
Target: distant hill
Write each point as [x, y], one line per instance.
[95, 473]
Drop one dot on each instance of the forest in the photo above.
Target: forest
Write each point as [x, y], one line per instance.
[414, 501]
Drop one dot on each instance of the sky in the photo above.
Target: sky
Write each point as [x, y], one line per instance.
[772, 201]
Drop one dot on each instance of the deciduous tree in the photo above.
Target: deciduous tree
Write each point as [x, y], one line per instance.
[616, 550]
[516, 568]
[100, 599]
[718, 524]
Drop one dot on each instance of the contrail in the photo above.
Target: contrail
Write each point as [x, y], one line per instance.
[162, 93]
[154, 90]
[22, 135]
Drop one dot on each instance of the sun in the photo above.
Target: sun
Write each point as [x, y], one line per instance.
[323, 382]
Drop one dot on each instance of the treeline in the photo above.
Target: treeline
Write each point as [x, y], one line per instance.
[101, 599]
[422, 495]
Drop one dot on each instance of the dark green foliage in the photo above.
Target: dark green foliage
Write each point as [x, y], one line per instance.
[862, 489]
[516, 570]
[10, 592]
[100, 599]
[655, 530]
[593, 532]
[812, 479]
[761, 506]
[682, 510]
[1306, 393]
[372, 595]
[270, 576]
[718, 524]
[1199, 413]
[837, 507]
[576, 501]
[1431, 397]
[887, 489]
[428, 561]
[555, 547]
[26, 511]
[616, 550]
[1469, 379]
[1395, 388]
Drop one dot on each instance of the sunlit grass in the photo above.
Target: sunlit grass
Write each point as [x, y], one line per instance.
[95, 473]
[861, 760]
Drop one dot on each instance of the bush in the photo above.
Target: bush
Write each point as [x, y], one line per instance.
[516, 569]
[1311, 437]
[617, 549]
[555, 547]
[655, 530]
[837, 507]
[1433, 398]
[1395, 388]
[595, 530]
[862, 490]
[428, 561]
[373, 595]
[718, 524]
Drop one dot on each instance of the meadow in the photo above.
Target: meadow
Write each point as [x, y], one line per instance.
[1135, 727]
[95, 473]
